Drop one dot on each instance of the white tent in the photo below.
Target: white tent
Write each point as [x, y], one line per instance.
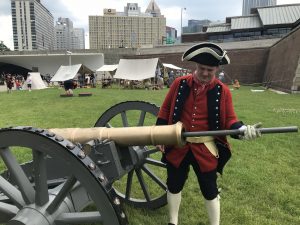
[66, 73]
[106, 71]
[36, 81]
[171, 66]
[107, 68]
[136, 69]
[69, 72]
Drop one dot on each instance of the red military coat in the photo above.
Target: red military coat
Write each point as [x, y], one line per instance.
[194, 116]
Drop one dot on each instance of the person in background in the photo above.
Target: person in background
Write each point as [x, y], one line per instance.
[18, 84]
[29, 82]
[68, 86]
[147, 84]
[202, 103]
[9, 83]
[171, 78]
[160, 82]
[236, 84]
[93, 80]
[221, 76]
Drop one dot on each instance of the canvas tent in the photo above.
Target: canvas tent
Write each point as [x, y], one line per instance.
[106, 71]
[136, 69]
[36, 81]
[171, 66]
[107, 68]
[69, 72]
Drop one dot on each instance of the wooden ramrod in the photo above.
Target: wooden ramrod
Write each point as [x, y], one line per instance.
[149, 135]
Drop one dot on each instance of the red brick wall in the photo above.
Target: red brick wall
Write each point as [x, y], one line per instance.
[247, 65]
[283, 61]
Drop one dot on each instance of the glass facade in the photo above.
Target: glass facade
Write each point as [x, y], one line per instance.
[248, 4]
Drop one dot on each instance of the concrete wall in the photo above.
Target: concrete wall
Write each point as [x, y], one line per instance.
[49, 64]
[283, 61]
[49, 61]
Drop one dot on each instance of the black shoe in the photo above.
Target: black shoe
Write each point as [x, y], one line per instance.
[171, 224]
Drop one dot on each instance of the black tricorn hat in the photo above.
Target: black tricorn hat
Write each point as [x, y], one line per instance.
[206, 53]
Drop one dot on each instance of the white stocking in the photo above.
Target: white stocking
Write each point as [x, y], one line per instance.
[213, 210]
[173, 206]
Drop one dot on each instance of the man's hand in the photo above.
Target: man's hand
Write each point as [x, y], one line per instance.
[161, 148]
[250, 131]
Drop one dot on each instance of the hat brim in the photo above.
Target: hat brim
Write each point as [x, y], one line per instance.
[207, 54]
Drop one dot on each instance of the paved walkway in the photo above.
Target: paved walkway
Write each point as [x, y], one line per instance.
[3, 88]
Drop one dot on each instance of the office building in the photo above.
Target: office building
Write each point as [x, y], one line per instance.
[63, 33]
[78, 36]
[66, 36]
[33, 25]
[249, 4]
[264, 23]
[129, 29]
[171, 33]
[195, 26]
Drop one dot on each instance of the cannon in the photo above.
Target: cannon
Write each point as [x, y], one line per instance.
[63, 182]
[83, 179]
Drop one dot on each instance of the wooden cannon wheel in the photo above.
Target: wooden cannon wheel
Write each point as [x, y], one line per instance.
[28, 198]
[144, 186]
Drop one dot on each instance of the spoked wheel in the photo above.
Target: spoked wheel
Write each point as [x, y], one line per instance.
[84, 196]
[144, 185]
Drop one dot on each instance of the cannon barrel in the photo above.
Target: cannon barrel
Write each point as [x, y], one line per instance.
[126, 136]
[150, 135]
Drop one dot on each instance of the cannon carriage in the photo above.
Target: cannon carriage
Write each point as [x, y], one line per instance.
[82, 175]
[67, 182]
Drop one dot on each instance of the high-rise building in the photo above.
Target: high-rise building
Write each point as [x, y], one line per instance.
[195, 26]
[63, 33]
[171, 35]
[33, 25]
[153, 9]
[78, 41]
[248, 4]
[67, 37]
[130, 28]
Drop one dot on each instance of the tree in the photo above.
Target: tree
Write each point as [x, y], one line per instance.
[3, 47]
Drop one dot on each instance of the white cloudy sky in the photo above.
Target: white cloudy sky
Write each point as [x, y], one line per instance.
[79, 10]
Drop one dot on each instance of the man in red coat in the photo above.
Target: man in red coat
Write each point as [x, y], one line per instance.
[201, 102]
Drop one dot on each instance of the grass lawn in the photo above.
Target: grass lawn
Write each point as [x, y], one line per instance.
[260, 185]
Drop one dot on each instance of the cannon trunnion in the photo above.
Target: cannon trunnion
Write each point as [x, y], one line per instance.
[144, 185]
[70, 183]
